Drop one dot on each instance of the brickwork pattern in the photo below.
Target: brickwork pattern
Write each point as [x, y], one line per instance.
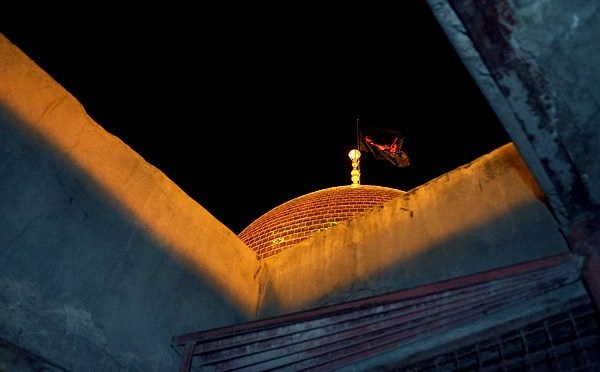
[307, 215]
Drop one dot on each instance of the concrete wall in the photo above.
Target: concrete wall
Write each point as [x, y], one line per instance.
[484, 215]
[102, 257]
[536, 63]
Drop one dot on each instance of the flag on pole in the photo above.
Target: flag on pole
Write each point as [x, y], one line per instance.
[384, 144]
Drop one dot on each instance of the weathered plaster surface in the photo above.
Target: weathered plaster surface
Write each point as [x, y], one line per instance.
[536, 62]
[487, 214]
[102, 257]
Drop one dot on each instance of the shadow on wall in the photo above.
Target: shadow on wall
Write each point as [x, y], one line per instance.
[75, 263]
[418, 239]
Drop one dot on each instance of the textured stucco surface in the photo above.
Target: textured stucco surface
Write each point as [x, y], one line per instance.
[102, 258]
[537, 64]
[487, 214]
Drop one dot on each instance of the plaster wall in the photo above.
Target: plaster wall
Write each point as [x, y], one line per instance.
[485, 215]
[102, 257]
[535, 61]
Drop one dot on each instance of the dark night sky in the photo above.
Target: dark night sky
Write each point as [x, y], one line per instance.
[245, 122]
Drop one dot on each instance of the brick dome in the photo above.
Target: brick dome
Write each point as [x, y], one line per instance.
[306, 215]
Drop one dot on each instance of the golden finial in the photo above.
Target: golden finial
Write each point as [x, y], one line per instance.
[354, 155]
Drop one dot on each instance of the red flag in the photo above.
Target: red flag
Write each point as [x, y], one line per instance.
[384, 144]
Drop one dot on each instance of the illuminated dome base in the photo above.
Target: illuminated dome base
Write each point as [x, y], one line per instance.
[307, 215]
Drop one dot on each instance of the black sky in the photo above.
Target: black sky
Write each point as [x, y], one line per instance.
[246, 121]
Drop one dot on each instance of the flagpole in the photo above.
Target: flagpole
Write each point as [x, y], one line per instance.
[357, 135]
